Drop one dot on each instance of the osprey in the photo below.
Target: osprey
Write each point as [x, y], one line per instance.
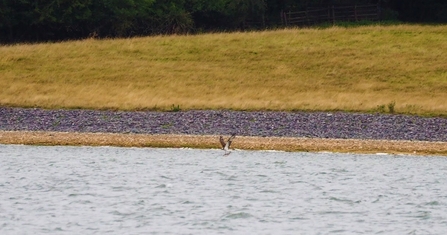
[226, 145]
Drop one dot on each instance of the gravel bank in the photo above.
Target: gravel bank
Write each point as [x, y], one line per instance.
[336, 125]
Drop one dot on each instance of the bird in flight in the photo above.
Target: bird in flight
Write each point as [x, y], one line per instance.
[226, 145]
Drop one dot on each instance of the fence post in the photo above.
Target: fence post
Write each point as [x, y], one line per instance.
[284, 16]
[333, 15]
[263, 21]
[379, 12]
[281, 15]
[355, 12]
[307, 17]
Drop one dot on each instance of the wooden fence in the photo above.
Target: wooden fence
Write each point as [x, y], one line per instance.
[331, 14]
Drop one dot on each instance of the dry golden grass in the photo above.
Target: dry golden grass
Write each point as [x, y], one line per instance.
[208, 141]
[357, 69]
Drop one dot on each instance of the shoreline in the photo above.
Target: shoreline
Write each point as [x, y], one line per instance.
[290, 144]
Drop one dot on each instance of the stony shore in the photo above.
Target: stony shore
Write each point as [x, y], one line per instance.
[290, 131]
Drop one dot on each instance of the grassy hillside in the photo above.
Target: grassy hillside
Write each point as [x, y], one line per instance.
[371, 68]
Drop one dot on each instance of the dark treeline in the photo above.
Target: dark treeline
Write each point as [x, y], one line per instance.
[43, 20]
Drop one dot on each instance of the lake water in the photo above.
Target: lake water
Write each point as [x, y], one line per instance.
[108, 190]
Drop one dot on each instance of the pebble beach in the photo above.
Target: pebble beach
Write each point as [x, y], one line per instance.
[287, 125]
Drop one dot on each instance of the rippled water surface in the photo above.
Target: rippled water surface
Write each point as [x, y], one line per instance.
[99, 190]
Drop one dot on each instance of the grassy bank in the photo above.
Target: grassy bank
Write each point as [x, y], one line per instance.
[373, 68]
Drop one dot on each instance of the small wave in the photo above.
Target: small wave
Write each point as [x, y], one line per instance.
[382, 154]
[432, 203]
[272, 151]
[268, 191]
[239, 215]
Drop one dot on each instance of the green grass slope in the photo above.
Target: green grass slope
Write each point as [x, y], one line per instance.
[401, 68]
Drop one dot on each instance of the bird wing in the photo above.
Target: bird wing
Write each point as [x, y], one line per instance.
[227, 146]
[222, 142]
